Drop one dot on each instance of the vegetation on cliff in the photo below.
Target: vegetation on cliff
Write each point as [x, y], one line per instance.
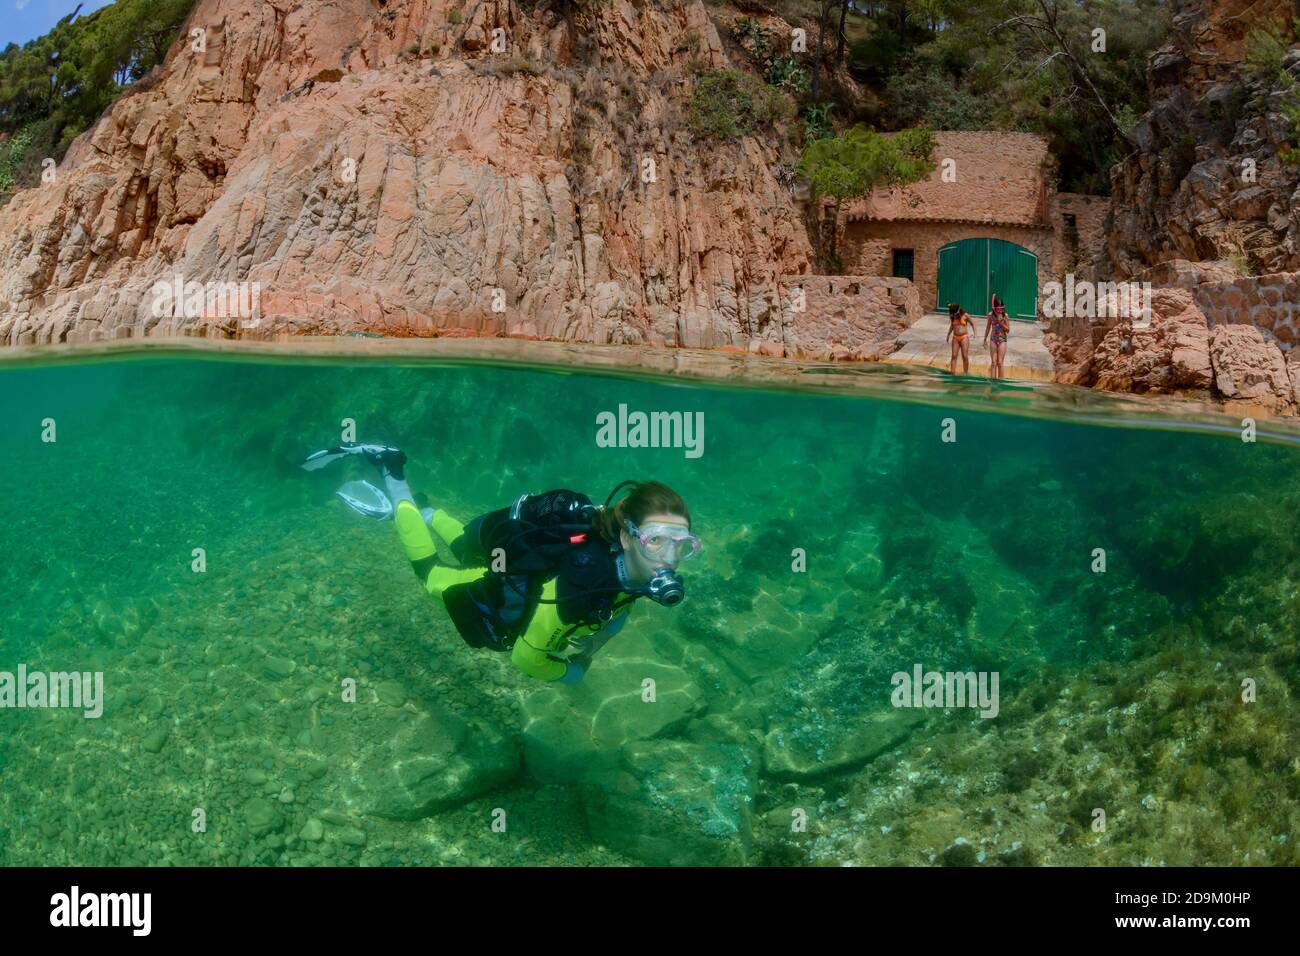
[54, 87]
[1074, 72]
[857, 161]
[1266, 56]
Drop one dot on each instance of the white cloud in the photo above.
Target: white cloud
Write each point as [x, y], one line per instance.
[21, 3]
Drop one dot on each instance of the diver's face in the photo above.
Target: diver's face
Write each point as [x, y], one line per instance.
[641, 569]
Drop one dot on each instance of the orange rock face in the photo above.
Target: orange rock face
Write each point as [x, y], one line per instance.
[1172, 354]
[378, 167]
[1249, 368]
[1180, 353]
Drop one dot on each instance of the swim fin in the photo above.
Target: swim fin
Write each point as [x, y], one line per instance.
[319, 459]
[377, 454]
[365, 499]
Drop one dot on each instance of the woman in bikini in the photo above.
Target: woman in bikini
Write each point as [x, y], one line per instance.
[960, 325]
[1000, 326]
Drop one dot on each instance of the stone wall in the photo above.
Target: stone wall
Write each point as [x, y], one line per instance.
[845, 317]
[1270, 303]
[1086, 242]
[861, 249]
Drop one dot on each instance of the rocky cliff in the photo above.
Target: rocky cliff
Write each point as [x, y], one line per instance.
[405, 166]
[1206, 209]
[1208, 180]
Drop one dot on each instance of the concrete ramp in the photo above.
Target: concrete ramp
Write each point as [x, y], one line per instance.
[923, 344]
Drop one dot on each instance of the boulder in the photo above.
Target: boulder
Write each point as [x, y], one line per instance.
[262, 817]
[423, 763]
[801, 750]
[1170, 354]
[570, 731]
[1248, 368]
[674, 803]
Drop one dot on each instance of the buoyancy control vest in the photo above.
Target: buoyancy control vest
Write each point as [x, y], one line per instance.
[536, 539]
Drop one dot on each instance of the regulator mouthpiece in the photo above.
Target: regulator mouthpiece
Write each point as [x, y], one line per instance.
[665, 588]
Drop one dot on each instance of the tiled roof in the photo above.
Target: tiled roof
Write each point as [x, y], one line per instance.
[1001, 179]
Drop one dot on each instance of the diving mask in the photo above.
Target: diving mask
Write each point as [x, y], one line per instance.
[665, 542]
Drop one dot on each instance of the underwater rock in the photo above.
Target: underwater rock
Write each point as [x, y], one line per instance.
[262, 816]
[768, 648]
[278, 668]
[438, 760]
[573, 730]
[961, 853]
[312, 831]
[391, 692]
[154, 740]
[790, 753]
[674, 803]
[352, 836]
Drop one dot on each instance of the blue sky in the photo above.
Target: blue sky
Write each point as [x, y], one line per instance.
[23, 20]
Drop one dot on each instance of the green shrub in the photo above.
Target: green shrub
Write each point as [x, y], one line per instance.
[11, 152]
[1266, 49]
[924, 96]
[729, 104]
[783, 72]
[817, 122]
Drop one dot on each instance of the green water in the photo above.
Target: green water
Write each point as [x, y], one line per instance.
[770, 739]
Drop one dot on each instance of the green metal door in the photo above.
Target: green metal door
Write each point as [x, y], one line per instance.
[971, 270]
[963, 267]
[1013, 275]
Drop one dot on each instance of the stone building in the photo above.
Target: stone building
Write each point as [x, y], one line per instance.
[988, 219]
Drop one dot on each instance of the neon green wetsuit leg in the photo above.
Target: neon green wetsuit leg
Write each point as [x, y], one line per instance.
[420, 551]
[538, 651]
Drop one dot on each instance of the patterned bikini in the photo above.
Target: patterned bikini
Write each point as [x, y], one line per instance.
[1001, 326]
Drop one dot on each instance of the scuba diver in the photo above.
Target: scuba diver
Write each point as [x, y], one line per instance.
[551, 578]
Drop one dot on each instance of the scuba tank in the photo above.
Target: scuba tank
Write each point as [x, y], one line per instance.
[525, 545]
[537, 532]
[532, 536]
